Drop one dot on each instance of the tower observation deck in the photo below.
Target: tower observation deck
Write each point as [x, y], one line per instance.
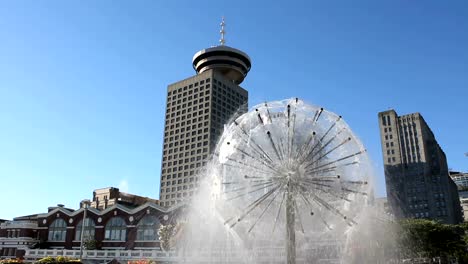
[231, 63]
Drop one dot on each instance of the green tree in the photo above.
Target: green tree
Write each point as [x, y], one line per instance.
[90, 244]
[426, 238]
[166, 233]
[170, 234]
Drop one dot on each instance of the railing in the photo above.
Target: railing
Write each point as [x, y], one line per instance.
[34, 254]
[19, 239]
[266, 254]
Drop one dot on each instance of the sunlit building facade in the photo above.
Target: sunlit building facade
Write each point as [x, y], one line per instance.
[461, 180]
[416, 172]
[197, 109]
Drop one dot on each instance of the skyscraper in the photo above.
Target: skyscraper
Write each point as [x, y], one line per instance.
[196, 110]
[461, 180]
[416, 172]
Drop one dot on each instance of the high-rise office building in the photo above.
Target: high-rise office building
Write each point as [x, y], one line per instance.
[416, 172]
[197, 108]
[461, 180]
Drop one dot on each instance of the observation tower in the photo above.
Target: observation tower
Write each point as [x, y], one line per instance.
[197, 108]
[231, 63]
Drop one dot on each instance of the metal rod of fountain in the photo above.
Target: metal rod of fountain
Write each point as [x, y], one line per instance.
[290, 230]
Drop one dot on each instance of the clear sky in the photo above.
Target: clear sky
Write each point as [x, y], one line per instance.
[82, 83]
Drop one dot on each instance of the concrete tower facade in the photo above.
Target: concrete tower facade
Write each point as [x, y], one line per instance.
[416, 172]
[196, 110]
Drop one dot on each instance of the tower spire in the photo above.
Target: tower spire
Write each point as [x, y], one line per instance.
[222, 31]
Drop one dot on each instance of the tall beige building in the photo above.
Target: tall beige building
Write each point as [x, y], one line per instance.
[416, 172]
[196, 111]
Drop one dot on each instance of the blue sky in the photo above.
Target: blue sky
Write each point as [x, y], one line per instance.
[82, 83]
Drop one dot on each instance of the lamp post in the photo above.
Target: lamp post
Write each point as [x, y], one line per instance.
[85, 204]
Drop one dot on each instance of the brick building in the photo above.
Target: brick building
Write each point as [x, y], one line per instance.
[18, 235]
[107, 197]
[117, 227]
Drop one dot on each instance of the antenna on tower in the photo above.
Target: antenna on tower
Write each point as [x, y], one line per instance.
[222, 40]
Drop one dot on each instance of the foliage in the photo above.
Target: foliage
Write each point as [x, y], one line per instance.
[143, 261]
[431, 239]
[11, 261]
[58, 260]
[168, 235]
[90, 244]
[166, 232]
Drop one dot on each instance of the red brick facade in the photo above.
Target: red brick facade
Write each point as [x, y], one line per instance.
[38, 234]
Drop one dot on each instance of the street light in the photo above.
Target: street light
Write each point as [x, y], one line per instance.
[85, 204]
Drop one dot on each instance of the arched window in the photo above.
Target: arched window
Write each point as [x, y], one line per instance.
[147, 228]
[57, 230]
[116, 229]
[88, 229]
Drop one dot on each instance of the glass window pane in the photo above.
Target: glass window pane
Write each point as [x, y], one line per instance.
[57, 230]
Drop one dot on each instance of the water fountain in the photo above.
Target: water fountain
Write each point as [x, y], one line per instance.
[287, 178]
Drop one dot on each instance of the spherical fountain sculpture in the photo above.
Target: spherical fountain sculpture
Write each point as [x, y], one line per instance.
[284, 175]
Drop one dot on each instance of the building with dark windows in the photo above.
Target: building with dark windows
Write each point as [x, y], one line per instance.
[196, 111]
[461, 180]
[416, 173]
[18, 235]
[118, 229]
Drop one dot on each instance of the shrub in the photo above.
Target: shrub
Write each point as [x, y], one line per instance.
[11, 261]
[142, 261]
[90, 244]
[58, 260]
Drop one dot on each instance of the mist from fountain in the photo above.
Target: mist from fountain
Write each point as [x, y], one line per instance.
[289, 182]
